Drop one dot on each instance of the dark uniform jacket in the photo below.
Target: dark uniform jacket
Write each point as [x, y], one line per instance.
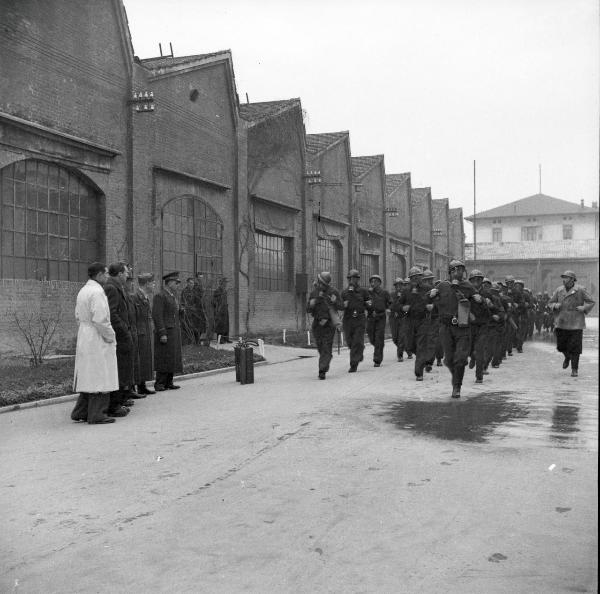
[447, 298]
[380, 301]
[143, 320]
[357, 298]
[417, 298]
[121, 323]
[165, 313]
[321, 310]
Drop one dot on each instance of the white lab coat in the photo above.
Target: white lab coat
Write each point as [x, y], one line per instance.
[95, 359]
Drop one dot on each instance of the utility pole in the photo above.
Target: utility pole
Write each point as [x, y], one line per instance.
[540, 174]
[474, 214]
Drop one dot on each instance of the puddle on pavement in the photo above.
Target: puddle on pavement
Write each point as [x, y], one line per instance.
[470, 419]
[555, 420]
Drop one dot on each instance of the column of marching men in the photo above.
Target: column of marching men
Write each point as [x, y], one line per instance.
[126, 335]
[464, 321]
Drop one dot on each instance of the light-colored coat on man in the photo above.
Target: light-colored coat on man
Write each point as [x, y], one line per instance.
[96, 354]
[566, 316]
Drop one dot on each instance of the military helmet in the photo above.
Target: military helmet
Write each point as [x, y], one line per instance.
[353, 273]
[520, 282]
[568, 274]
[415, 271]
[428, 274]
[486, 280]
[475, 273]
[375, 277]
[508, 278]
[324, 277]
[398, 281]
[455, 264]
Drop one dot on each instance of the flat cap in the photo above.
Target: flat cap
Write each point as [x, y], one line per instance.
[172, 276]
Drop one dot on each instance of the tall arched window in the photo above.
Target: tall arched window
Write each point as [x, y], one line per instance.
[49, 222]
[192, 238]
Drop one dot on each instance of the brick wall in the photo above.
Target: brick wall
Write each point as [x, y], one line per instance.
[27, 300]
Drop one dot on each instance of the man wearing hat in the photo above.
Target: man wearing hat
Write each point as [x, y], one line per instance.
[522, 308]
[357, 302]
[167, 334]
[453, 298]
[323, 303]
[377, 317]
[570, 303]
[480, 319]
[398, 319]
[496, 324]
[143, 311]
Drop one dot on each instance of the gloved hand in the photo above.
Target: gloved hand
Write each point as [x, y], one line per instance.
[429, 306]
[163, 339]
[477, 298]
[405, 308]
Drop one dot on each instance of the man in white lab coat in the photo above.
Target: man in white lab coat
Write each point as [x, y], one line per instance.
[95, 357]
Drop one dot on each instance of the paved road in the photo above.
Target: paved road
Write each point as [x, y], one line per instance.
[368, 482]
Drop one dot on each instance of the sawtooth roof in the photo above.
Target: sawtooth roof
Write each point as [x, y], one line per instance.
[538, 204]
[317, 143]
[263, 110]
[169, 61]
[362, 165]
[393, 181]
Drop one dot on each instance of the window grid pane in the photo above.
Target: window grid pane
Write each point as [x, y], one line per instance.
[272, 262]
[369, 265]
[44, 232]
[329, 258]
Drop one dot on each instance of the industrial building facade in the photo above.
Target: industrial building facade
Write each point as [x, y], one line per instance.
[105, 156]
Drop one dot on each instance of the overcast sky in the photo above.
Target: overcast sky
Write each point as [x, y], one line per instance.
[431, 84]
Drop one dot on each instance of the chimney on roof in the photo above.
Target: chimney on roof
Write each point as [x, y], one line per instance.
[582, 203]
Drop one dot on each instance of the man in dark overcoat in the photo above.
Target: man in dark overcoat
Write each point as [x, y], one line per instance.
[377, 317]
[119, 320]
[357, 302]
[131, 306]
[167, 334]
[221, 311]
[143, 311]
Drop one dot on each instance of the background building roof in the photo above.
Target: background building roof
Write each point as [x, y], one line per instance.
[317, 143]
[538, 204]
[256, 112]
[534, 250]
[393, 181]
[362, 165]
[169, 61]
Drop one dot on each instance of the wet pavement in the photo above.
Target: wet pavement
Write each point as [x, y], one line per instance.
[366, 482]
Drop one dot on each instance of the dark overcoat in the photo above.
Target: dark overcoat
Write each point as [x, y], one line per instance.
[221, 311]
[143, 322]
[119, 320]
[165, 313]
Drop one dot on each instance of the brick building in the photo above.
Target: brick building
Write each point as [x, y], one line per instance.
[105, 156]
[422, 222]
[537, 238]
[368, 178]
[399, 229]
[441, 237]
[330, 191]
[456, 234]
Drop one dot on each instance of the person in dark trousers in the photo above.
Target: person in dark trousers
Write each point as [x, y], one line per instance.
[480, 319]
[453, 298]
[167, 334]
[96, 372]
[193, 317]
[496, 324]
[398, 319]
[131, 306]
[143, 310]
[119, 319]
[434, 344]
[221, 311]
[377, 317]
[570, 304]
[323, 304]
[522, 306]
[356, 302]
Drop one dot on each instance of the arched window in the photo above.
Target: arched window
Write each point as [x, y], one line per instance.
[192, 238]
[48, 222]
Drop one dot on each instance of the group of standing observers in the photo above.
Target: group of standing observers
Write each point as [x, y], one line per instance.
[466, 320]
[126, 334]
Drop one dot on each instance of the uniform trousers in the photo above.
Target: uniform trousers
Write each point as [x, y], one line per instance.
[90, 407]
[324, 338]
[457, 345]
[495, 349]
[376, 333]
[479, 346]
[398, 326]
[424, 343]
[570, 344]
[354, 335]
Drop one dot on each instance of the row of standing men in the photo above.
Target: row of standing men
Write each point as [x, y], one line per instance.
[465, 320]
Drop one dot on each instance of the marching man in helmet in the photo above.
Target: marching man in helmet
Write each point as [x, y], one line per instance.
[453, 299]
[357, 302]
[323, 303]
[570, 303]
[377, 317]
[398, 319]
